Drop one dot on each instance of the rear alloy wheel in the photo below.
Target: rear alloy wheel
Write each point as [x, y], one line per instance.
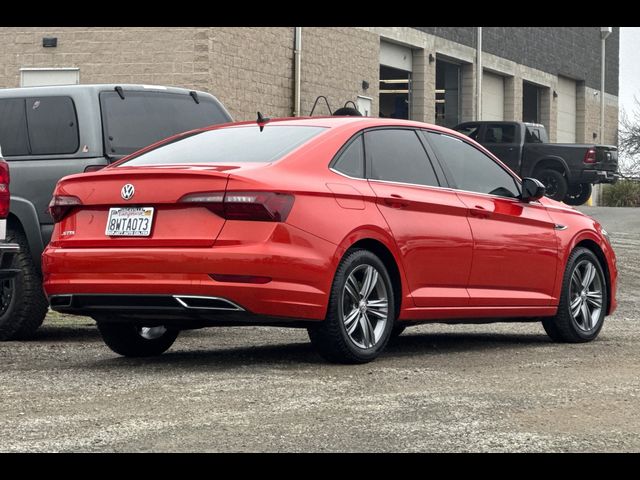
[578, 194]
[554, 183]
[132, 340]
[583, 300]
[361, 315]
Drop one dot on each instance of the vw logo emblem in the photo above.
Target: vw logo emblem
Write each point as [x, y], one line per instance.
[127, 191]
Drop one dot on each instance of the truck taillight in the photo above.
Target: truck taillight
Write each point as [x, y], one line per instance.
[5, 195]
[252, 206]
[61, 205]
[590, 156]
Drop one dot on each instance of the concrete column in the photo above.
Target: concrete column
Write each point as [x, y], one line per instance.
[513, 99]
[423, 87]
[468, 92]
[548, 113]
[582, 136]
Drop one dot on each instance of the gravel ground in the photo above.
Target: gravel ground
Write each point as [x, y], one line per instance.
[442, 388]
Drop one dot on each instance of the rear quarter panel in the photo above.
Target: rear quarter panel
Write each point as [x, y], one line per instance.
[330, 206]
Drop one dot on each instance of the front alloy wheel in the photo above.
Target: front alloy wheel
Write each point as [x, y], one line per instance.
[583, 300]
[586, 296]
[361, 313]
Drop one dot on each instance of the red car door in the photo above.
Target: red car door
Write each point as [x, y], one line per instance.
[429, 223]
[515, 252]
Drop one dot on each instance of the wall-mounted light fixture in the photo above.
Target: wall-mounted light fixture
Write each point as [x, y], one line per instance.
[49, 42]
[555, 94]
[365, 85]
[431, 58]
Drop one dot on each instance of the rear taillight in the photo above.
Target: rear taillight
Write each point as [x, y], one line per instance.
[590, 156]
[253, 206]
[5, 195]
[61, 205]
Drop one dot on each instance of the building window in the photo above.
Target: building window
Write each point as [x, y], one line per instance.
[395, 92]
[530, 103]
[448, 105]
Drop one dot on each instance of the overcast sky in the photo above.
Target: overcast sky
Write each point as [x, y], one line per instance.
[629, 67]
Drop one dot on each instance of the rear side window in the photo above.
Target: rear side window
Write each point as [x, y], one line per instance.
[351, 160]
[38, 126]
[13, 127]
[398, 156]
[230, 145]
[470, 131]
[53, 126]
[471, 169]
[497, 133]
[143, 118]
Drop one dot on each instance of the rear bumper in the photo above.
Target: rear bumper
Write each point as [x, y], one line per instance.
[7, 252]
[301, 272]
[184, 311]
[598, 176]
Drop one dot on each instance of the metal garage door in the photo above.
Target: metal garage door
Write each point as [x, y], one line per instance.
[566, 110]
[492, 97]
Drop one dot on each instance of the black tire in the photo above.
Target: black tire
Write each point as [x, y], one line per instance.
[126, 339]
[578, 194]
[397, 330]
[564, 327]
[23, 304]
[554, 182]
[330, 336]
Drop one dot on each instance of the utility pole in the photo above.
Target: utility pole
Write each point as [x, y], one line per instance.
[604, 33]
[479, 75]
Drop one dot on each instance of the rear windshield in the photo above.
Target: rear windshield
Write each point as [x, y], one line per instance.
[230, 145]
[143, 118]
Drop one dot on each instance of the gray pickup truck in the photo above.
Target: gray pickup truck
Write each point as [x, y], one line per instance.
[567, 170]
[47, 133]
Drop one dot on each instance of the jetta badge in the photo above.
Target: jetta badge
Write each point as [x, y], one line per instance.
[127, 191]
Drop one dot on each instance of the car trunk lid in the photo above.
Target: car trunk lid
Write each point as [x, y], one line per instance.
[157, 188]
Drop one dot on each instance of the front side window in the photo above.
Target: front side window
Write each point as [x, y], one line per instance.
[246, 144]
[351, 160]
[470, 169]
[397, 155]
[143, 118]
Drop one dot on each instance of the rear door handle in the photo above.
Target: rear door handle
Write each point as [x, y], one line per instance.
[396, 201]
[479, 212]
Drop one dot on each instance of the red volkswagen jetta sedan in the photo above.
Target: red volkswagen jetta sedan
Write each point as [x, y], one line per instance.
[351, 227]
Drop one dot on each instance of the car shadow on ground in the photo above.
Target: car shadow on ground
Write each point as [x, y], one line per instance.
[58, 333]
[278, 355]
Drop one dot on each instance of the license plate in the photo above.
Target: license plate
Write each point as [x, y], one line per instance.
[129, 222]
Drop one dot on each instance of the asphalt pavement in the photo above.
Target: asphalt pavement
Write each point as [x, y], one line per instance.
[479, 388]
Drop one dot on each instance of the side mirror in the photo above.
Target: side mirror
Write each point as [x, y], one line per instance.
[532, 189]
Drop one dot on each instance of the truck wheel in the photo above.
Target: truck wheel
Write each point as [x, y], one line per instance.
[578, 194]
[23, 305]
[555, 184]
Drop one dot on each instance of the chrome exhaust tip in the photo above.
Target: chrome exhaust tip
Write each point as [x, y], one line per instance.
[61, 300]
[195, 302]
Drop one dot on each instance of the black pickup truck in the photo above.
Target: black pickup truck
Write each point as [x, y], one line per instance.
[567, 170]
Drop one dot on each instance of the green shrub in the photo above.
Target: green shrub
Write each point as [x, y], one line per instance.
[624, 193]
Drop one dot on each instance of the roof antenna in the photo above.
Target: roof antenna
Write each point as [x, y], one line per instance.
[262, 121]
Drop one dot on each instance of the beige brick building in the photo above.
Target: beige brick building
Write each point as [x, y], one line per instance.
[424, 73]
